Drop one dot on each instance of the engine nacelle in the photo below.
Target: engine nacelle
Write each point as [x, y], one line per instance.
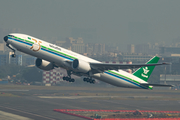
[81, 66]
[44, 65]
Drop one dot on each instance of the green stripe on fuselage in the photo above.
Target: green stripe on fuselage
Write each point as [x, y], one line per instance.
[123, 76]
[24, 40]
[58, 52]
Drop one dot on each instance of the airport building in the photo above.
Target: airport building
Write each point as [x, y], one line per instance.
[17, 60]
[2, 50]
[131, 48]
[170, 79]
[170, 51]
[54, 76]
[79, 48]
[7, 59]
[29, 61]
[4, 59]
[135, 58]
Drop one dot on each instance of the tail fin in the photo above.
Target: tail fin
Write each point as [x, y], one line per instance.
[145, 72]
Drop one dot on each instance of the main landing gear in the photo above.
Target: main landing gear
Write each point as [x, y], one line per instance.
[68, 78]
[13, 55]
[90, 80]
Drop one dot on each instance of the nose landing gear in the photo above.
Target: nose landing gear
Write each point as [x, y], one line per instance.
[13, 55]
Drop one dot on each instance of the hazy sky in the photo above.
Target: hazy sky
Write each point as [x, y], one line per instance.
[115, 21]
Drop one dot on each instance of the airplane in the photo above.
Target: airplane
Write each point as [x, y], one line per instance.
[50, 56]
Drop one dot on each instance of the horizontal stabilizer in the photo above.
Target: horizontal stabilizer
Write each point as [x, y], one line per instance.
[158, 85]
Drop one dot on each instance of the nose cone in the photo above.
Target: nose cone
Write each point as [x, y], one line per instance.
[6, 38]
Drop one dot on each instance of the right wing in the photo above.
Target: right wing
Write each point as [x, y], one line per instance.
[101, 67]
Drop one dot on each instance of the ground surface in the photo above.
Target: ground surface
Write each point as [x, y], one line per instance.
[38, 102]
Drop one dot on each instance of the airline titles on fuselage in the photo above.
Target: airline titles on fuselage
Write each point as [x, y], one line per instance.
[58, 48]
[55, 47]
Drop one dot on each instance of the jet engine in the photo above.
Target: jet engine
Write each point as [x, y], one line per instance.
[44, 65]
[81, 66]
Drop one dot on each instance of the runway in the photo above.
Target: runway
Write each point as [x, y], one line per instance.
[38, 103]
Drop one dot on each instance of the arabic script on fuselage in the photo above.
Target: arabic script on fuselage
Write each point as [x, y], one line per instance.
[55, 47]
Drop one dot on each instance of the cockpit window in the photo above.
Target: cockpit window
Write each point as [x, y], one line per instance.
[11, 35]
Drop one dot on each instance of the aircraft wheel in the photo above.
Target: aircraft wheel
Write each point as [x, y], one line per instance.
[13, 55]
[84, 79]
[93, 81]
[88, 80]
[68, 79]
[72, 80]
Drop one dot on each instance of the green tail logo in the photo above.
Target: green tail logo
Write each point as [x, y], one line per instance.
[145, 72]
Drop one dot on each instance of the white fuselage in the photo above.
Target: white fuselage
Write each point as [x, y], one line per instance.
[58, 55]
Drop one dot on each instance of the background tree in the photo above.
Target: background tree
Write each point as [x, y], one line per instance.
[32, 74]
[10, 70]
